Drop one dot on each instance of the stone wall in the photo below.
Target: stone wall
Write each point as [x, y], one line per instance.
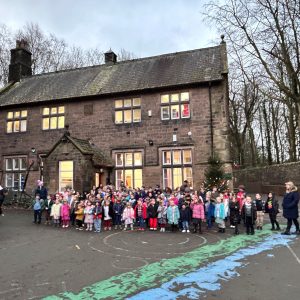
[268, 178]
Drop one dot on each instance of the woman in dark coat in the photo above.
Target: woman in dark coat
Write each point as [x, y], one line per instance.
[290, 207]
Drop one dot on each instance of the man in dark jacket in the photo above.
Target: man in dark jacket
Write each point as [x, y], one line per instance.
[3, 192]
[290, 207]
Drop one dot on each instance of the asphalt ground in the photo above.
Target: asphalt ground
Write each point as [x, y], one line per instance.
[39, 260]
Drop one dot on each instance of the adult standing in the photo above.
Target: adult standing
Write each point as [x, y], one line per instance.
[3, 192]
[290, 207]
[41, 190]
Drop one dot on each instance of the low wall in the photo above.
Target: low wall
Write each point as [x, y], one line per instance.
[268, 178]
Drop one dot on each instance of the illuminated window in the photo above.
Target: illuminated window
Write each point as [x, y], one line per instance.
[128, 111]
[129, 169]
[177, 167]
[15, 168]
[175, 106]
[53, 118]
[16, 121]
[65, 175]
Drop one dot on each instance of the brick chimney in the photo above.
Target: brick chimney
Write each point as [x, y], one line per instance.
[110, 57]
[20, 61]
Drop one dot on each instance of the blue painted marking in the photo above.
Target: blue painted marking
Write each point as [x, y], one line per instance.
[194, 285]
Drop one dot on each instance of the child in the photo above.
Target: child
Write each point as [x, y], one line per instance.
[220, 214]
[97, 212]
[173, 215]
[271, 207]
[48, 205]
[88, 216]
[55, 211]
[249, 215]
[118, 210]
[234, 208]
[141, 214]
[162, 216]
[260, 206]
[197, 214]
[79, 212]
[65, 214]
[152, 214]
[185, 217]
[128, 216]
[107, 215]
[37, 209]
[209, 211]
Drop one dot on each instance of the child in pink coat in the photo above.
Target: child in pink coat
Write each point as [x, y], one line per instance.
[128, 216]
[65, 214]
[198, 214]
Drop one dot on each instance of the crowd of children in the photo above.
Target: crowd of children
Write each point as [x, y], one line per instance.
[183, 209]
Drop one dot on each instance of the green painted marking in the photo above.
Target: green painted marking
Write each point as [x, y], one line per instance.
[123, 285]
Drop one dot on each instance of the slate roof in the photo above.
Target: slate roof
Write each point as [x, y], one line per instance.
[166, 70]
[85, 147]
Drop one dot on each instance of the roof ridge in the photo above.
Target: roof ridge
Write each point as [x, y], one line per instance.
[122, 62]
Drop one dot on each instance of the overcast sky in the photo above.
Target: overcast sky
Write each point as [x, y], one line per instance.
[144, 27]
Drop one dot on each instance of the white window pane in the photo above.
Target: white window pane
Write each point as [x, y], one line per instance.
[127, 103]
[23, 125]
[61, 109]
[118, 117]
[8, 164]
[177, 157]
[119, 177]
[61, 122]
[167, 178]
[185, 96]
[10, 115]
[66, 166]
[53, 110]
[138, 178]
[164, 99]
[188, 175]
[24, 113]
[128, 178]
[166, 157]
[23, 163]
[136, 101]
[46, 123]
[165, 113]
[174, 97]
[185, 110]
[16, 126]
[127, 116]
[46, 111]
[16, 114]
[136, 115]
[138, 158]
[9, 180]
[187, 156]
[9, 127]
[53, 122]
[119, 159]
[16, 182]
[174, 112]
[65, 175]
[128, 159]
[16, 165]
[177, 177]
[22, 180]
[118, 103]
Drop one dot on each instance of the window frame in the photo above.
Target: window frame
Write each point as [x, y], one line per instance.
[59, 173]
[57, 115]
[14, 119]
[16, 173]
[124, 109]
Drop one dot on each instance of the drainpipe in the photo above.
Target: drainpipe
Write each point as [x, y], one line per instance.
[211, 121]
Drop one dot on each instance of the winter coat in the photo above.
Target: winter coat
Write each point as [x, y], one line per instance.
[186, 214]
[88, 214]
[290, 205]
[197, 211]
[65, 212]
[118, 208]
[210, 210]
[79, 212]
[128, 213]
[162, 214]
[55, 211]
[173, 214]
[48, 204]
[260, 204]
[234, 209]
[42, 192]
[240, 196]
[152, 210]
[220, 211]
[272, 206]
[253, 212]
[97, 212]
[144, 211]
[110, 211]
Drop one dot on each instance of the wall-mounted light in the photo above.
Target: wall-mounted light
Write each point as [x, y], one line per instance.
[150, 143]
[150, 113]
[174, 137]
[101, 170]
[189, 133]
[33, 150]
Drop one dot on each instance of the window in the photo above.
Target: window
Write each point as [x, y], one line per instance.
[15, 168]
[65, 175]
[175, 106]
[128, 111]
[177, 167]
[129, 169]
[53, 118]
[16, 121]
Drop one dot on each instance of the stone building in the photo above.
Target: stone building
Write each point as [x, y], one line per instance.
[148, 121]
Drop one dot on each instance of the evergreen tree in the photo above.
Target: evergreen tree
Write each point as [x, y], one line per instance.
[214, 175]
